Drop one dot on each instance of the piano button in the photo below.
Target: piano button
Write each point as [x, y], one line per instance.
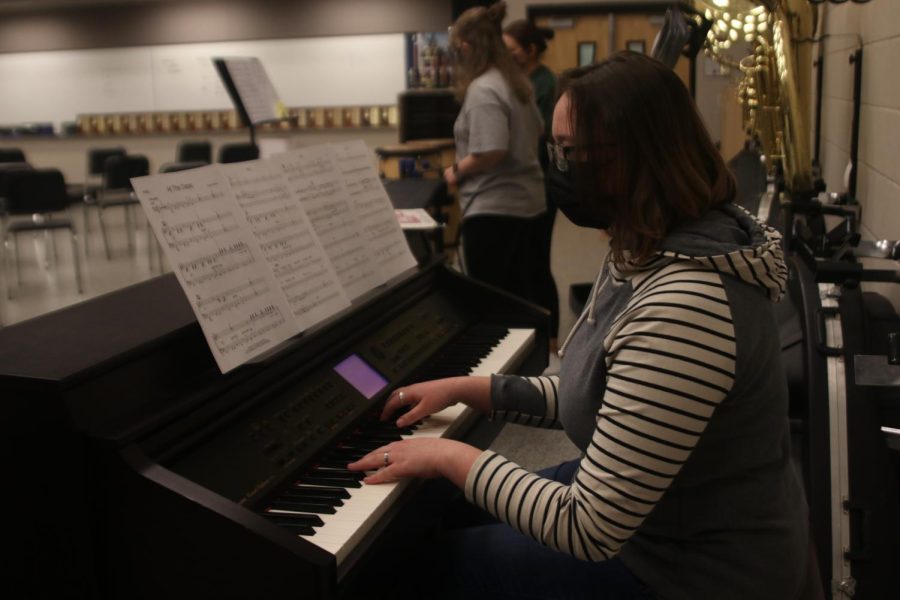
[329, 481]
[337, 491]
[303, 506]
[271, 447]
[295, 516]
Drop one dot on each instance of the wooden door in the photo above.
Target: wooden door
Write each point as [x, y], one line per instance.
[628, 30]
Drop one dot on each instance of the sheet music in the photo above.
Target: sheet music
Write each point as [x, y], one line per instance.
[238, 303]
[316, 183]
[287, 240]
[255, 89]
[373, 208]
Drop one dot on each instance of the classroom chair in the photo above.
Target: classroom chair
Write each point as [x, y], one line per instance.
[238, 152]
[12, 155]
[93, 181]
[117, 191]
[194, 151]
[39, 195]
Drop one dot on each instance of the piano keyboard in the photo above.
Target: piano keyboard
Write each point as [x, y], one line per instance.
[331, 508]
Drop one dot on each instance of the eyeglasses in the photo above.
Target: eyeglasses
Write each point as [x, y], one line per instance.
[562, 155]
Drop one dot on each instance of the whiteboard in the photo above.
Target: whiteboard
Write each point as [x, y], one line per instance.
[357, 70]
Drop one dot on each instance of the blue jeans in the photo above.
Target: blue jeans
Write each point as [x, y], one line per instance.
[494, 561]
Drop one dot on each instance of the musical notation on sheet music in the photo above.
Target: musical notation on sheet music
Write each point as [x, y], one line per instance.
[373, 208]
[224, 260]
[316, 183]
[250, 334]
[255, 89]
[181, 235]
[287, 240]
[162, 207]
[265, 249]
[215, 259]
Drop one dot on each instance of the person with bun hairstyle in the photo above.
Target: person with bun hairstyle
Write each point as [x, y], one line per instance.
[527, 44]
[671, 384]
[497, 173]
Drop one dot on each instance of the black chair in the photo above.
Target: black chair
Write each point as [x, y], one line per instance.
[38, 194]
[172, 167]
[93, 181]
[238, 152]
[117, 191]
[11, 155]
[6, 170]
[194, 151]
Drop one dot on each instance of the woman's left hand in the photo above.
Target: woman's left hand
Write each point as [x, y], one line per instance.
[450, 176]
[424, 458]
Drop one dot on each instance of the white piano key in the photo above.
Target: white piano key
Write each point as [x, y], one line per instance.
[351, 522]
[508, 353]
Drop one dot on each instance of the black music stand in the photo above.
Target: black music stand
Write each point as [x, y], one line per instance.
[250, 91]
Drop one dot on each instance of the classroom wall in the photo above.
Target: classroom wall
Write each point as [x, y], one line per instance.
[141, 23]
[877, 26]
[90, 34]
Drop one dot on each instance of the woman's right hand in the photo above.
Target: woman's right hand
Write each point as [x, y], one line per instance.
[429, 397]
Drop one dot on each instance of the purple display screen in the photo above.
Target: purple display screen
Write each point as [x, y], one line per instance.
[360, 375]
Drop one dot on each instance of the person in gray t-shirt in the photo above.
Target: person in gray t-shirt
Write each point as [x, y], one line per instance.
[501, 186]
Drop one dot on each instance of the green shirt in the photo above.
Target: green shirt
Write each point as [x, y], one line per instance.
[544, 83]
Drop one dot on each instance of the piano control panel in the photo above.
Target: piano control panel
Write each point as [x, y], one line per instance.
[260, 447]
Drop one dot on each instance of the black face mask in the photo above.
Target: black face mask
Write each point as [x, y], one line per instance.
[592, 211]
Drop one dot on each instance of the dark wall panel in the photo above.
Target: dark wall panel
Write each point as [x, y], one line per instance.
[176, 22]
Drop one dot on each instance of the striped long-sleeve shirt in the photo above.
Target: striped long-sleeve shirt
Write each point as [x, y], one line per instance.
[671, 386]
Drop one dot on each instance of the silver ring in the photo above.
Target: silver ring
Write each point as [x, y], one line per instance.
[386, 458]
[400, 396]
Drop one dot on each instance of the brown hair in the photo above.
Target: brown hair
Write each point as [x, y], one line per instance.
[527, 34]
[668, 166]
[479, 27]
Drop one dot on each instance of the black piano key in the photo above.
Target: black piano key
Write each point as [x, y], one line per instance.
[313, 495]
[332, 463]
[337, 491]
[341, 471]
[294, 527]
[362, 445]
[338, 481]
[294, 516]
[389, 428]
[383, 439]
[303, 506]
[345, 454]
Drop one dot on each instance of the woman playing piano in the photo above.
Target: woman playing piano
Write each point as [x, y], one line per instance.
[670, 383]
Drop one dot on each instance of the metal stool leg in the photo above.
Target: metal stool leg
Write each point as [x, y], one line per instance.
[53, 247]
[128, 228]
[6, 263]
[18, 262]
[103, 231]
[77, 260]
[87, 224]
